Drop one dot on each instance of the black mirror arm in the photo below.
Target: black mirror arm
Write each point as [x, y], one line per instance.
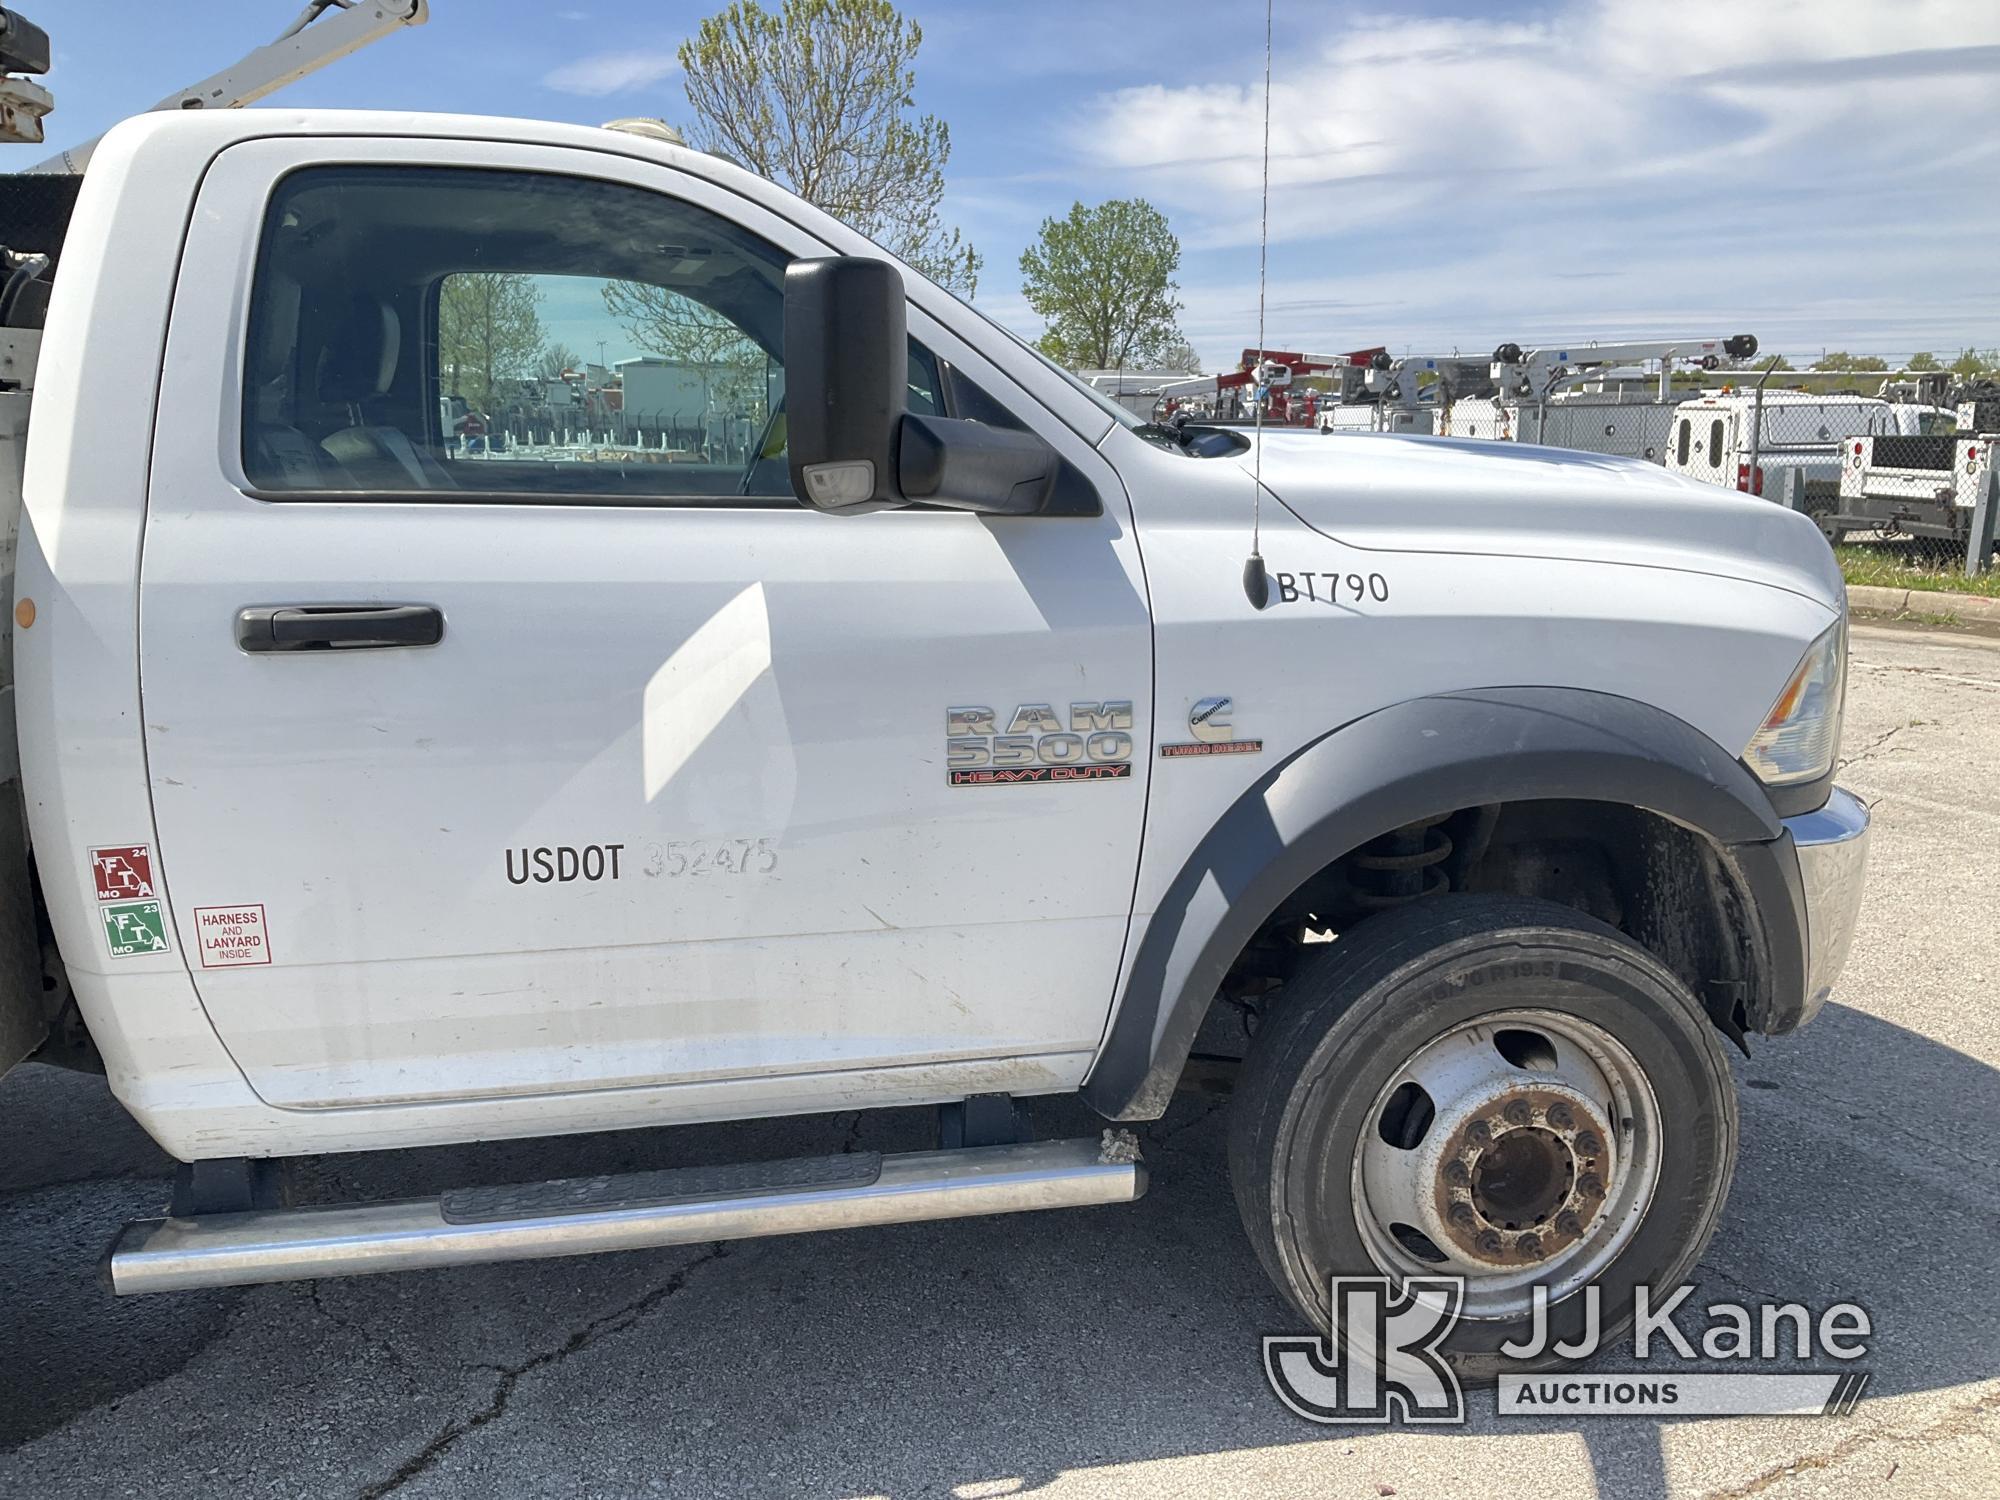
[971, 466]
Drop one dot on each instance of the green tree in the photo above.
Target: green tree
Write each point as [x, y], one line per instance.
[1923, 361]
[1971, 364]
[489, 330]
[555, 359]
[1773, 362]
[1842, 360]
[1180, 355]
[820, 96]
[1102, 280]
[1051, 344]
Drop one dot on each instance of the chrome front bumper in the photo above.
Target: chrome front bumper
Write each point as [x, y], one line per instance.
[1832, 846]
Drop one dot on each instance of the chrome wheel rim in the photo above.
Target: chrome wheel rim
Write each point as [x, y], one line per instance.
[1516, 1150]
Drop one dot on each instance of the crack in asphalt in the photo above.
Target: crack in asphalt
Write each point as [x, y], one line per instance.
[1933, 674]
[1869, 749]
[1874, 795]
[1159, 1137]
[595, 1331]
[1923, 1145]
[1756, 1292]
[1953, 1422]
[382, 1346]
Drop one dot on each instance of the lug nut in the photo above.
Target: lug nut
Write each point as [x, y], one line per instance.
[1517, 1112]
[1479, 1132]
[1456, 1173]
[1590, 1185]
[1489, 1243]
[1460, 1213]
[1569, 1224]
[1560, 1116]
[1529, 1244]
[1589, 1144]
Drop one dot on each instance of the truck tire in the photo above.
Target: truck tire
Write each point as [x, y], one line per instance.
[1491, 1087]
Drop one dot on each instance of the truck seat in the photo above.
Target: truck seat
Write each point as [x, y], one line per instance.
[277, 455]
[358, 372]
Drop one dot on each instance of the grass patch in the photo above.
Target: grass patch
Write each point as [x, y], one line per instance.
[1923, 565]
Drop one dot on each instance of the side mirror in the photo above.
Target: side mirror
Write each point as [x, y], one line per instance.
[853, 446]
[846, 376]
[993, 471]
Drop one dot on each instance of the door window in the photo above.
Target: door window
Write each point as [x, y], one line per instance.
[466, 333]
[1681, 445]
[1715, 441]
[445, 333]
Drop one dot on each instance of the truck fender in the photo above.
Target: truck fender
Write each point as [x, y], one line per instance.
[1410, 761]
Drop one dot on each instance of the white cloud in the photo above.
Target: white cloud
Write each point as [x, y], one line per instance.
[1622, 161]
[613, 73]
[1604, 90]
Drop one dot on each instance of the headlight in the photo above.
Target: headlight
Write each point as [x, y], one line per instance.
[1802, 730]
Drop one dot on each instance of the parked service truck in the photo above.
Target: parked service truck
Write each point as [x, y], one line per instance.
[1927, 483]
[1749, 442]
[938, 754]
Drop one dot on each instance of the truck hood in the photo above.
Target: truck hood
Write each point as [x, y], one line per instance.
[1407, 493]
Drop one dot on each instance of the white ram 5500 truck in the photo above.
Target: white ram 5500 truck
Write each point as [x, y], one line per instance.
[929, 746]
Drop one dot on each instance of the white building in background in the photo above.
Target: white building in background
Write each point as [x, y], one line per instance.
[663, 390]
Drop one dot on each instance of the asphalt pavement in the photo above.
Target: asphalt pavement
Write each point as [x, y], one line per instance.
[1110, 1351]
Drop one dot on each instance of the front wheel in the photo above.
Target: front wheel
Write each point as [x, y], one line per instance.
[1493, 1088]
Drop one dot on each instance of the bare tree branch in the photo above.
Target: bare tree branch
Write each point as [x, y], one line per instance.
[819, 96]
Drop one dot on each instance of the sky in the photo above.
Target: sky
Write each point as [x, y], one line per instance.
[1444, 176]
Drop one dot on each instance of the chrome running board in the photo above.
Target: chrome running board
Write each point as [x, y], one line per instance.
[638, 1211]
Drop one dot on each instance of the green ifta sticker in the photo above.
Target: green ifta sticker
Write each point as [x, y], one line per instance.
[134, 927]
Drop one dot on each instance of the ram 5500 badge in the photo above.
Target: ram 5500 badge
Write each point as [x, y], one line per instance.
[1036, 746]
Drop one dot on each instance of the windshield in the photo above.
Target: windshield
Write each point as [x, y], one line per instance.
[1117, 412]
[1104, 403]
[1110, 408]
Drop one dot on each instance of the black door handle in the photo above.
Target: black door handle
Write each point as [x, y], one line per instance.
[338, 627]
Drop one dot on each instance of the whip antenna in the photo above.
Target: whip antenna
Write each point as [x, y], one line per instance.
[1255, 584]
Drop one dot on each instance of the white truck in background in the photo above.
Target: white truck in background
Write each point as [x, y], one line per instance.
[1928, 483]
[1748, 441]
[943, 753]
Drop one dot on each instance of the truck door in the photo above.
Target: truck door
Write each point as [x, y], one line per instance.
[578, 756]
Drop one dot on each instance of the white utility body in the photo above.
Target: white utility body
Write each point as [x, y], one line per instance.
[1747, 442]
[1927, 481]
[386, 790]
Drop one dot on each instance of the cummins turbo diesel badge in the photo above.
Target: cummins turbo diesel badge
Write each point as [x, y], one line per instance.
[1214, 734]
[1037, 746]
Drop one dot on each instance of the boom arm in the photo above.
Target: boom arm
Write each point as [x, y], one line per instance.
[305, 48]
[1534, 372]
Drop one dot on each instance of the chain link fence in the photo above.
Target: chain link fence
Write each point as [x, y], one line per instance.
[1910, 481]
[555, 432]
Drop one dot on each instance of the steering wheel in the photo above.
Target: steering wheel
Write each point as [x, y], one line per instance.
[770, 443]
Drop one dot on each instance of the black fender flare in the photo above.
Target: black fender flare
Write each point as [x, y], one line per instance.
[1414, 760]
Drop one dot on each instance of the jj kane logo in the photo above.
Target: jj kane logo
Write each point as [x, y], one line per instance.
[1384, 1359]
[1037, 746]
